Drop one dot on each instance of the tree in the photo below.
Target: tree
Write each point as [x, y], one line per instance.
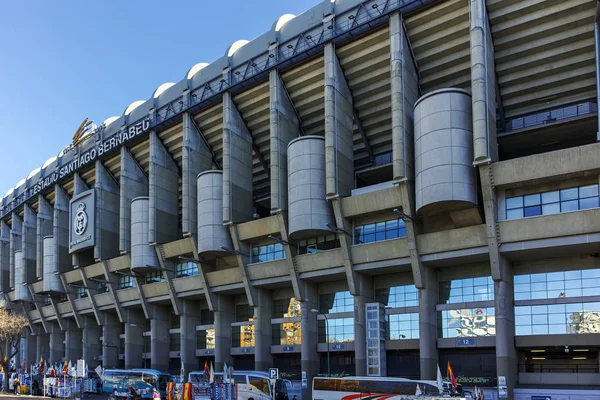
[11, 329]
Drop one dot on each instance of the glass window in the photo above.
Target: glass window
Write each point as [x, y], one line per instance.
[470, 322]
[244, 313]
[379, 231]
[81, 292]
[466, 290]
[174, 342]
[186, 269]
[243, 336]
[154, 276]
[126, 282]
[205, 339]
[268, 252]
[286, 308]
[318, 244]
[575, 318]
[403, 326]
[547, 203]
[288, 333]
[557, 284]
[340, 330]
[336, 303]
[398, 296]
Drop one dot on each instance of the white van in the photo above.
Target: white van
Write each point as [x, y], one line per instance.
[251, 385]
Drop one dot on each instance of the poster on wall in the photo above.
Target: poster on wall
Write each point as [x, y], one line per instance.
[82, 221]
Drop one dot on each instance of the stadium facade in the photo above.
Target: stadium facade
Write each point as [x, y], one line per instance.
[421, 176]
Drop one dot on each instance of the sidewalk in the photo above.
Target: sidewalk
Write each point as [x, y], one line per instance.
[88, 396]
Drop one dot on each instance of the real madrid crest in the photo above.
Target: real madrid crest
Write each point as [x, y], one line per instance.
[81, 219]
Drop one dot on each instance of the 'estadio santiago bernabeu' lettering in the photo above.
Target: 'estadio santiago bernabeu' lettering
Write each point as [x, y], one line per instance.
[93, 153]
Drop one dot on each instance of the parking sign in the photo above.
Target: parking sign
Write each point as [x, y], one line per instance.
[274, 373]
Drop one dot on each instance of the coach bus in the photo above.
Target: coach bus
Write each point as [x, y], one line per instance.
[373, 388]
[112, 378]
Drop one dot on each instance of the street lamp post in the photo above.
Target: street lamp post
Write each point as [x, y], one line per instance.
[314, 310]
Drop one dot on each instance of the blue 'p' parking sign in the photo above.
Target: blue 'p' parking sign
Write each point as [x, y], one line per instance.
[274, 373]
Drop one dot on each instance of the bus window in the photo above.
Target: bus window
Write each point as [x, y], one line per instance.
[239, 379]
[162, 382]
[325, 384]
[261, 384]
[348, 385]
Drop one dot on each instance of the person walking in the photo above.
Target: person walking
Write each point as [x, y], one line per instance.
[17, 385]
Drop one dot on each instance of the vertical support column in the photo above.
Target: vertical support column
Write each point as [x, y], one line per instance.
[61, 230]
[263, 333]
[30, 343]
[107, 214]
[111, 332]
[133, 183]
[44, 228]
[79, 186]
[135, 326]
[73, 341]
[339, 128]
[364, 296]
[197, 158]
[237, 165]
[15, 245]
[308, 349]
[42, 346]
[189, 318]
[92, 348]
[28, 244]
[483, 84]
[224, 316]
[159, 331]
[285, 127]
[163, 193]
[428, 295]
[57, 342]
[4, 257]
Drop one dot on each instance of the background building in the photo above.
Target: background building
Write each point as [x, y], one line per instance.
[439, 158]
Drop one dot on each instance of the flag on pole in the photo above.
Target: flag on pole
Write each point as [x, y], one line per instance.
[65, 368]
[418, 391]
[41, 365]
[69, 368]
[211, 375]
[24, 366]
[182, 371]
[206, 370]
[440, 380]
[451, 375]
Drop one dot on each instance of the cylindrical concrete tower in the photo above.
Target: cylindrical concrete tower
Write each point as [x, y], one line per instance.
[21, 290]
[143, 256]
[309, 211]
[212, 235]
[445, 176]
[51, 279]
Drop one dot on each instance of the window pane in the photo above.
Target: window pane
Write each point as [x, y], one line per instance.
[588, 191]
[531, 200]
[553, 208]
[567, 206]
[514, 202]
[533, 211]
[568, 194]
[514, 214]
[590, 202]
[550, 197]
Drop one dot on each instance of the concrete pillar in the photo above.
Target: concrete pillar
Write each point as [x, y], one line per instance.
[133, 183]
[107, 214]
[73, 341]
[237, 165]
[365, 290]
[15, 245]
[4, 257]
[189, 318]
[339, 128]
[263, 333]
[285, 127]
[135, 326]
[196, 158]
[483, 84]
[42, 346]
[224, 316]
[163, 193]
[428, 297]
[405, 92]
[57, 342]
[30, 348]
[60, 231]
[28, 244]
[160, 323]
[111, 331]
[308, 348]
[92, 347]
[506, 353]
[44, 228]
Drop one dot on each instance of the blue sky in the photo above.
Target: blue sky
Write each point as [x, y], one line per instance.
[62, 61]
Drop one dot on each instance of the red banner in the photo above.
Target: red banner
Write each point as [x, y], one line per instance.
[170, 389]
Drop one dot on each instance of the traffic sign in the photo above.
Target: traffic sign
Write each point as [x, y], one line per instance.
[274, 373]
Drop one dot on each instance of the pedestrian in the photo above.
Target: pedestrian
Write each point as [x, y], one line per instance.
[17, 385]
[177, 395]
[155, 394]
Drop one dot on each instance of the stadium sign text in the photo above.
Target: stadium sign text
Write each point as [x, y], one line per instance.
[79, 161]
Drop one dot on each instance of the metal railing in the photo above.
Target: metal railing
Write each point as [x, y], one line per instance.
[550, 116]
[559, 368]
